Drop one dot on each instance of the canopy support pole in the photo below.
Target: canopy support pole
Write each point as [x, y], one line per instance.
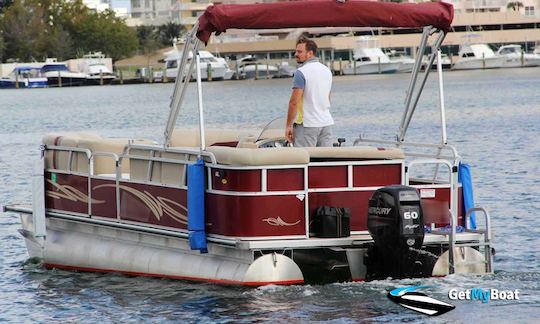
[441, 97]
[410, 111]
[414, 75]
[442, 110]
[182, 80]
[200, 103]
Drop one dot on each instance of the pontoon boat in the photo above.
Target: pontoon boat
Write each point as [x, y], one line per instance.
[242, 207]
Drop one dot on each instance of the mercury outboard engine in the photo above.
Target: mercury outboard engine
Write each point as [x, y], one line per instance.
[395, 221]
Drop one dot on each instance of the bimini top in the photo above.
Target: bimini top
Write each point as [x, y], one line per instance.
[323, 13]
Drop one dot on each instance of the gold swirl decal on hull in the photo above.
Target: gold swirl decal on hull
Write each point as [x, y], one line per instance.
[158, 206]
[69, 193]
[278, 222]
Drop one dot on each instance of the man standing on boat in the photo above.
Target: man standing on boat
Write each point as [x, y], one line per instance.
[309, 122]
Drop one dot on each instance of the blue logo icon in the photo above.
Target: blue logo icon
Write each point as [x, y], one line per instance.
[410, 298]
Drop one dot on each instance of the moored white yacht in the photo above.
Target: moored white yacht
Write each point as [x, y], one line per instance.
[371, 60]
[242, 207]
[58, 74]
[477, 56]
[515, 57]
[249, 66]
[98, 73]
[406, 63]
[216, 66]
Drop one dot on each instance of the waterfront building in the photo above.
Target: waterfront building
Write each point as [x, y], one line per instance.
[186, 12]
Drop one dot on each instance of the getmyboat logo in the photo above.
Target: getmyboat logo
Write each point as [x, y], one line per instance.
[483, 295]
[410, 298]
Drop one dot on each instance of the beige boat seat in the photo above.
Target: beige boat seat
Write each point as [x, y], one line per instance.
[59, 159]
[191, 137]
[258, 156]
[160, 172]
[92, 142]
[353, 153]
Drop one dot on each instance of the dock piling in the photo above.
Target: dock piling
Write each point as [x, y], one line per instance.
[209, 72]
[100, 77]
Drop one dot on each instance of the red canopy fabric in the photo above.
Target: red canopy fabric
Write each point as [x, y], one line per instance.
[323, 13]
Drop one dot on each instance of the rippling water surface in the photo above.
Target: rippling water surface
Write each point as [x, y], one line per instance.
[493, 119]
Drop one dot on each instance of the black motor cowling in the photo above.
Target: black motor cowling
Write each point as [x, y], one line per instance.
[395, 219]
[395, 222]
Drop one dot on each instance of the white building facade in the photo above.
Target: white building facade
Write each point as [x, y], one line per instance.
[186, 12]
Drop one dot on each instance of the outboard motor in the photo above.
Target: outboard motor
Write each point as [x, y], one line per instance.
[395, 221]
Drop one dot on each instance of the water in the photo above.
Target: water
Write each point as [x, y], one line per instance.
[493, 118]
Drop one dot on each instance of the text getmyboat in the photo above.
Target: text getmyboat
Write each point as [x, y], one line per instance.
[484, 295]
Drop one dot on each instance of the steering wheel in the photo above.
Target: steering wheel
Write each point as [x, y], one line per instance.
[273, 142]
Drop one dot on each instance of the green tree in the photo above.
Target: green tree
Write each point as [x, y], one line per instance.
[2, 46]
[25, 31]
[92, 31]
[148, 41]
[61, 28]
[4, 4]
[170, 31]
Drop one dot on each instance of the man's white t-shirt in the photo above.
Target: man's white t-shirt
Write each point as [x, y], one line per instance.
[316, 80]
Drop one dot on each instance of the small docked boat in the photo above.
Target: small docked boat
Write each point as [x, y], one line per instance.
[250, 67]
[217, 67]
[477, 56]
[243, 207]
[99, 74]
[446, 63]
[515, 57]
[58, 74]
[371, 60]
[406, 63]
[24, 77]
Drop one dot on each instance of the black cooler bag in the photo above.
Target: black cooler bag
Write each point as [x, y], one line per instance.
[331, 222]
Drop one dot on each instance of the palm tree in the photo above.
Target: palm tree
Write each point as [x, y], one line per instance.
[516, 5]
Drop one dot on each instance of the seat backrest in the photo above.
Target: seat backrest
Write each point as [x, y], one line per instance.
[92, 142]
[191, 137]
[60, 159]
[354, 153]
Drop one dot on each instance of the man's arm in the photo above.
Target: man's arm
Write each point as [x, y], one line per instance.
[296, 96]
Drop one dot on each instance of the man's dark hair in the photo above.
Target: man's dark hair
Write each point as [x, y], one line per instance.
[310, 45]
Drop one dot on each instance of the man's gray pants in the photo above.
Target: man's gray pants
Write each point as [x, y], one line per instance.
[312, 136]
